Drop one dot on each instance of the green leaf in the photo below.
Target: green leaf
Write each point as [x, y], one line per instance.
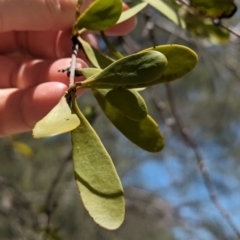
[144, 133]
[88, 72]
[205, 28]
[163, 8]
[97, 58]
[132, 70]
[100, 15]
[181, 60]
[129, 102]
[132, 12]
[215, 8]
[217, 34]
[97, 180]
[59, 120]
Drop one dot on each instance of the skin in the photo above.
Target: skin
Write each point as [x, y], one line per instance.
[35, 44]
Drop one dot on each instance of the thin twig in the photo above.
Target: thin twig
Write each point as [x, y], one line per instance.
[193, 11]
[73, 62]
[49, 197]
[191, 143]
[201, 164]
[230, 30]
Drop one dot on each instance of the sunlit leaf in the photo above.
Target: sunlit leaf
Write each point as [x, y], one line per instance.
[163, 8]
[132, 12]
[99, 15]
[215, 8]
[181, 60]
[139, 89]
[97, 58]
[144, 133]
[133, 70]
[59, 120]
[129, 102]
[97, 180]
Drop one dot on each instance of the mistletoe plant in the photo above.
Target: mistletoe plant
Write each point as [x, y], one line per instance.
[115, 85]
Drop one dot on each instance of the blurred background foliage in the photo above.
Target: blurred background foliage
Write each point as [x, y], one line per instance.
[166, 197]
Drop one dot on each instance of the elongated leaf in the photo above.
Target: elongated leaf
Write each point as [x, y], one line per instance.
[132, 12]
[133, 70]
[181, 60]
[215, 8]
[59, 120]
[128, 102]
[99, 15]
[144, 133]
[97, 180]
[88, 72]
[97, 58]
[163, 8]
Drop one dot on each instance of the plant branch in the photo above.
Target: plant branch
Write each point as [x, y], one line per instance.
[201, 164]
[48, 206]
[73, 62]
[216, 22]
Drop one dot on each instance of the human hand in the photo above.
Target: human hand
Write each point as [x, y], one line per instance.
[34, 45]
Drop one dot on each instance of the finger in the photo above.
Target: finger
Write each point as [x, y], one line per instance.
[47, 15]
[46, 45]
[36, 15]
[124, 27]
[21, 73]
[20, 110]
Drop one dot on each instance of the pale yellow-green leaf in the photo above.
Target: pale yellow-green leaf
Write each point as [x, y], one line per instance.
[163, 8]
[132, 12]
[97, 180]
[181, 60]
[59, 120]
[97, 58]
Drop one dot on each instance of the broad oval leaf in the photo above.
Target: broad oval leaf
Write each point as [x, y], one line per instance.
[100, 15]
[181, 60]
[133, 70]
[96, 177]
[59, 120]
[144, 133]
[129, 102]
[132, 12]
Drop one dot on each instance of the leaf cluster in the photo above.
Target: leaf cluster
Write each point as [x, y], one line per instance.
[115, 85]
